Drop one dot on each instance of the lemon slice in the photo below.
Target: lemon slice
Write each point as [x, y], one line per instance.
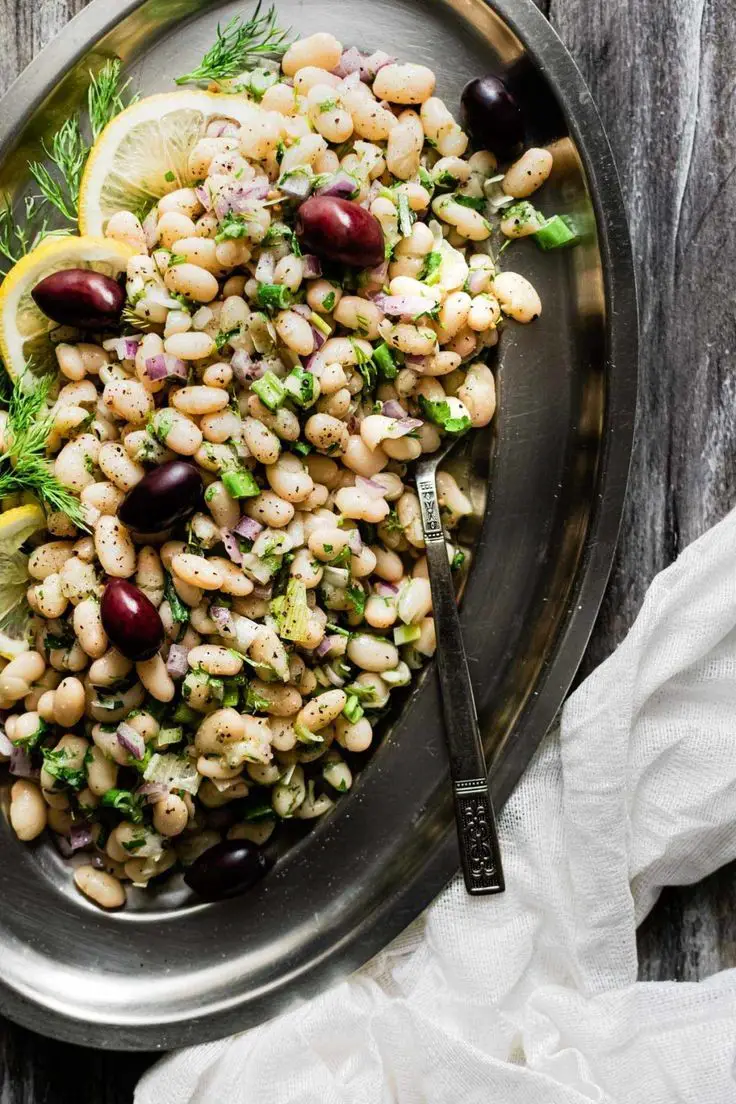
[24, 329]
[144, 152]
[16, 526]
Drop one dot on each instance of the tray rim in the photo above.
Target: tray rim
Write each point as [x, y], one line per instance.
[23, 98]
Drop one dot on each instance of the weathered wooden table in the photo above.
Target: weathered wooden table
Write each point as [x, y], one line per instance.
[662, 73]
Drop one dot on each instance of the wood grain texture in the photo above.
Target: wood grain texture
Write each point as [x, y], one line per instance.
[661, 72]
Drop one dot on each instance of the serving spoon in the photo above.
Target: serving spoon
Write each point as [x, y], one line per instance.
[480, 853]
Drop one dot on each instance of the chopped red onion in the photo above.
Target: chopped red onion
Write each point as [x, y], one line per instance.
[373, 63]
[393, 409]
[245, 368]
[377, 276]
[375, 490]
[319, 338]
[238, 198]
[176, 664]
[130, 347]
[248, 528]
[334, 678]
[153, 792]
[232, 546]
[165, 366]
[355, 541]
[223, 618]
[20, 764]
[265, 593]
[63, 845]
[131, 740]
[326, 644]
[80, 835]
[352, 80]
[303, 309]
[266, 267]
[204, 197]
[411, 359]
[297, 186]
[311, 266]
[403, 306]
[7, 747]
[385, 590]
[216, 129]
[342, 185]
[350, 61]
[336, 576]
[401, 426]
[477, 279]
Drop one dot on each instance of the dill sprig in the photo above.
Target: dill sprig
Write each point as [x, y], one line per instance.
[239, 44]
[23, 463]
[20, 236]
[105, 96]
[59, 183]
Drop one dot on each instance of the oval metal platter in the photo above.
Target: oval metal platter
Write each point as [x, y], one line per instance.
[547, 483]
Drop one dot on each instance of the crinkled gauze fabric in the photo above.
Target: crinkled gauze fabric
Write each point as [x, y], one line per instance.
[532, 997]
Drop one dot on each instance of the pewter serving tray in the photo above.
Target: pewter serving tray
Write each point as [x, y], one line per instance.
[547, 482]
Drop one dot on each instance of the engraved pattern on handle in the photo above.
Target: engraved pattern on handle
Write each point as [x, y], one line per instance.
[477, 837]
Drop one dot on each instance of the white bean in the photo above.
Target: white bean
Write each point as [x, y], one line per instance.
[528, 173]
[115, 549]
[517, 297]
[404, 84]
[102, 888]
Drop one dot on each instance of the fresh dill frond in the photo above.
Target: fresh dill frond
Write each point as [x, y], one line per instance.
[105, 96]
[20, 236]
[68, 154]
[239, 44]
[23, 463]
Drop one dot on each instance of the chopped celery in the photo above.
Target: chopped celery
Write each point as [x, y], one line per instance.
[300, 387]
[240, 484]
[405, 634]
[270, 390]
[556, 233]
[352, 710]
[384, 360]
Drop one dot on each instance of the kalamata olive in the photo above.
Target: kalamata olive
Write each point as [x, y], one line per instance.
[82, 298]
[492, 116]
[227, 869]
[130, 620]
[169, 493]
[340, 230]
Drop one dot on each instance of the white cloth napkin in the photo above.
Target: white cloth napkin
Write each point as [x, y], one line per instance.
[532, 997]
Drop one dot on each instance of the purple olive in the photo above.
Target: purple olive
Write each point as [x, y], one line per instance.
[130, 620]
[492, 116]
[340, 230]
[81, 298]
[168, 494]
[227, 869]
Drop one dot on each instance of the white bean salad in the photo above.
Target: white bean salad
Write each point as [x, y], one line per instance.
[308, 317]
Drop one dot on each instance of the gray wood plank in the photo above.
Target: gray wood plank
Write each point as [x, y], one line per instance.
[662, 75]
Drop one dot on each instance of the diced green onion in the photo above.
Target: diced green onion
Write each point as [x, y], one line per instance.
[300, 387]
[383, 358]
[406, 215]
[270, 390]
[352, 710]
[305, 735]
[184, 714]
[240, 484]
[319, 323]
[302, 447]
[556, 233]
[273, 296]
[431, 274]
[405, 634]
[400, 676]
